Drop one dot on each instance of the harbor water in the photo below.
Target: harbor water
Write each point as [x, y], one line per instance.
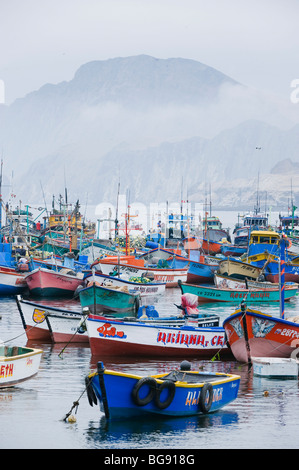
[32, 414]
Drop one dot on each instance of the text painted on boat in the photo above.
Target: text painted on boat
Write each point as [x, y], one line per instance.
[190, 339]
[193, 397]
[8, 369]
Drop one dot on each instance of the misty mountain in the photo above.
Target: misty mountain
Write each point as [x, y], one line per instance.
[151, 124]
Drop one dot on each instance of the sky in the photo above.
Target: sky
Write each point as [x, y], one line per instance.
[256, 42]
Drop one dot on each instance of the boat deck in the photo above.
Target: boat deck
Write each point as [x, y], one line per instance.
[190, 377]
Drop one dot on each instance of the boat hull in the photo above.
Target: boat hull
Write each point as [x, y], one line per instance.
[238, 269]
[11, 282]
[251, 333]
[112, 337]
[236, 295]
[186, 398]
[272, 272]
[49, 324]
[18, 366]
[48, 283]
[199, 273]
[103, 299]
[275, 367]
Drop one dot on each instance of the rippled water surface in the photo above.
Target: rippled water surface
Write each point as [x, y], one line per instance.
[32, 414]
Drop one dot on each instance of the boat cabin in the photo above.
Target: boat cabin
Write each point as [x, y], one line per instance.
[264, 236]
[263, 242]
[257, 221]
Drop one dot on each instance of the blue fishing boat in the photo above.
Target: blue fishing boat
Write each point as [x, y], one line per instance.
[176, 394]
[233, 250]
[202, 271]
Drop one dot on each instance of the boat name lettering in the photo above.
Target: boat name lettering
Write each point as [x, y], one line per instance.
[189, 339]
[108, 330]
[253, 295]
[288, 332]
[165, 278]
[6, 371]
[193, 397]
[148, 289]
[126, 269]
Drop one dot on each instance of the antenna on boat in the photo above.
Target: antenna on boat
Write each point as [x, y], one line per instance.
[116, 212]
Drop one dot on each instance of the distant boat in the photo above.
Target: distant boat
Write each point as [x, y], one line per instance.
[239, 269]
[18, 364]
[233, 250]
[232, 283]
[177, 393]
[45, 282]
[136, 267]
[138, 285]
[202, 271]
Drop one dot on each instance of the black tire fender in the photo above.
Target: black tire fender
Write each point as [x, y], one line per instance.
[137, 303]
[204, 405]
[151, 383]
[91, 396]
[171, 389]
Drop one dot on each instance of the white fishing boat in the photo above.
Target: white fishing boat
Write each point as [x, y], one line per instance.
[133, 284]
[18, 364]
[275, 367]
[40, 322]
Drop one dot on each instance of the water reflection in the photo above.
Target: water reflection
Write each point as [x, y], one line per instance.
[150, 432]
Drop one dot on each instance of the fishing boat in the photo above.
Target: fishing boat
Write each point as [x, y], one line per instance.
[12, 282]
[108, 299]
[275, 367]
[119, 337]
[18, 364]
[43, 282]
[141, 285]
[229, 281]
[202, 271]
[178, 393]
[233, 250]
[50, 324]
[238, 269]
[252, 333]
[236, 295]
[130, 266]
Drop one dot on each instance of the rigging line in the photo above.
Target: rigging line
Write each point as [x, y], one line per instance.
[49, 225]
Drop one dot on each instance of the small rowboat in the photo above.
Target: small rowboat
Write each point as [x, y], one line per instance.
[275, 367]
[179, 393]
[18, 364]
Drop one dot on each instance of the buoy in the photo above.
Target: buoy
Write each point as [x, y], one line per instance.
[266, 393]
[72, 419]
